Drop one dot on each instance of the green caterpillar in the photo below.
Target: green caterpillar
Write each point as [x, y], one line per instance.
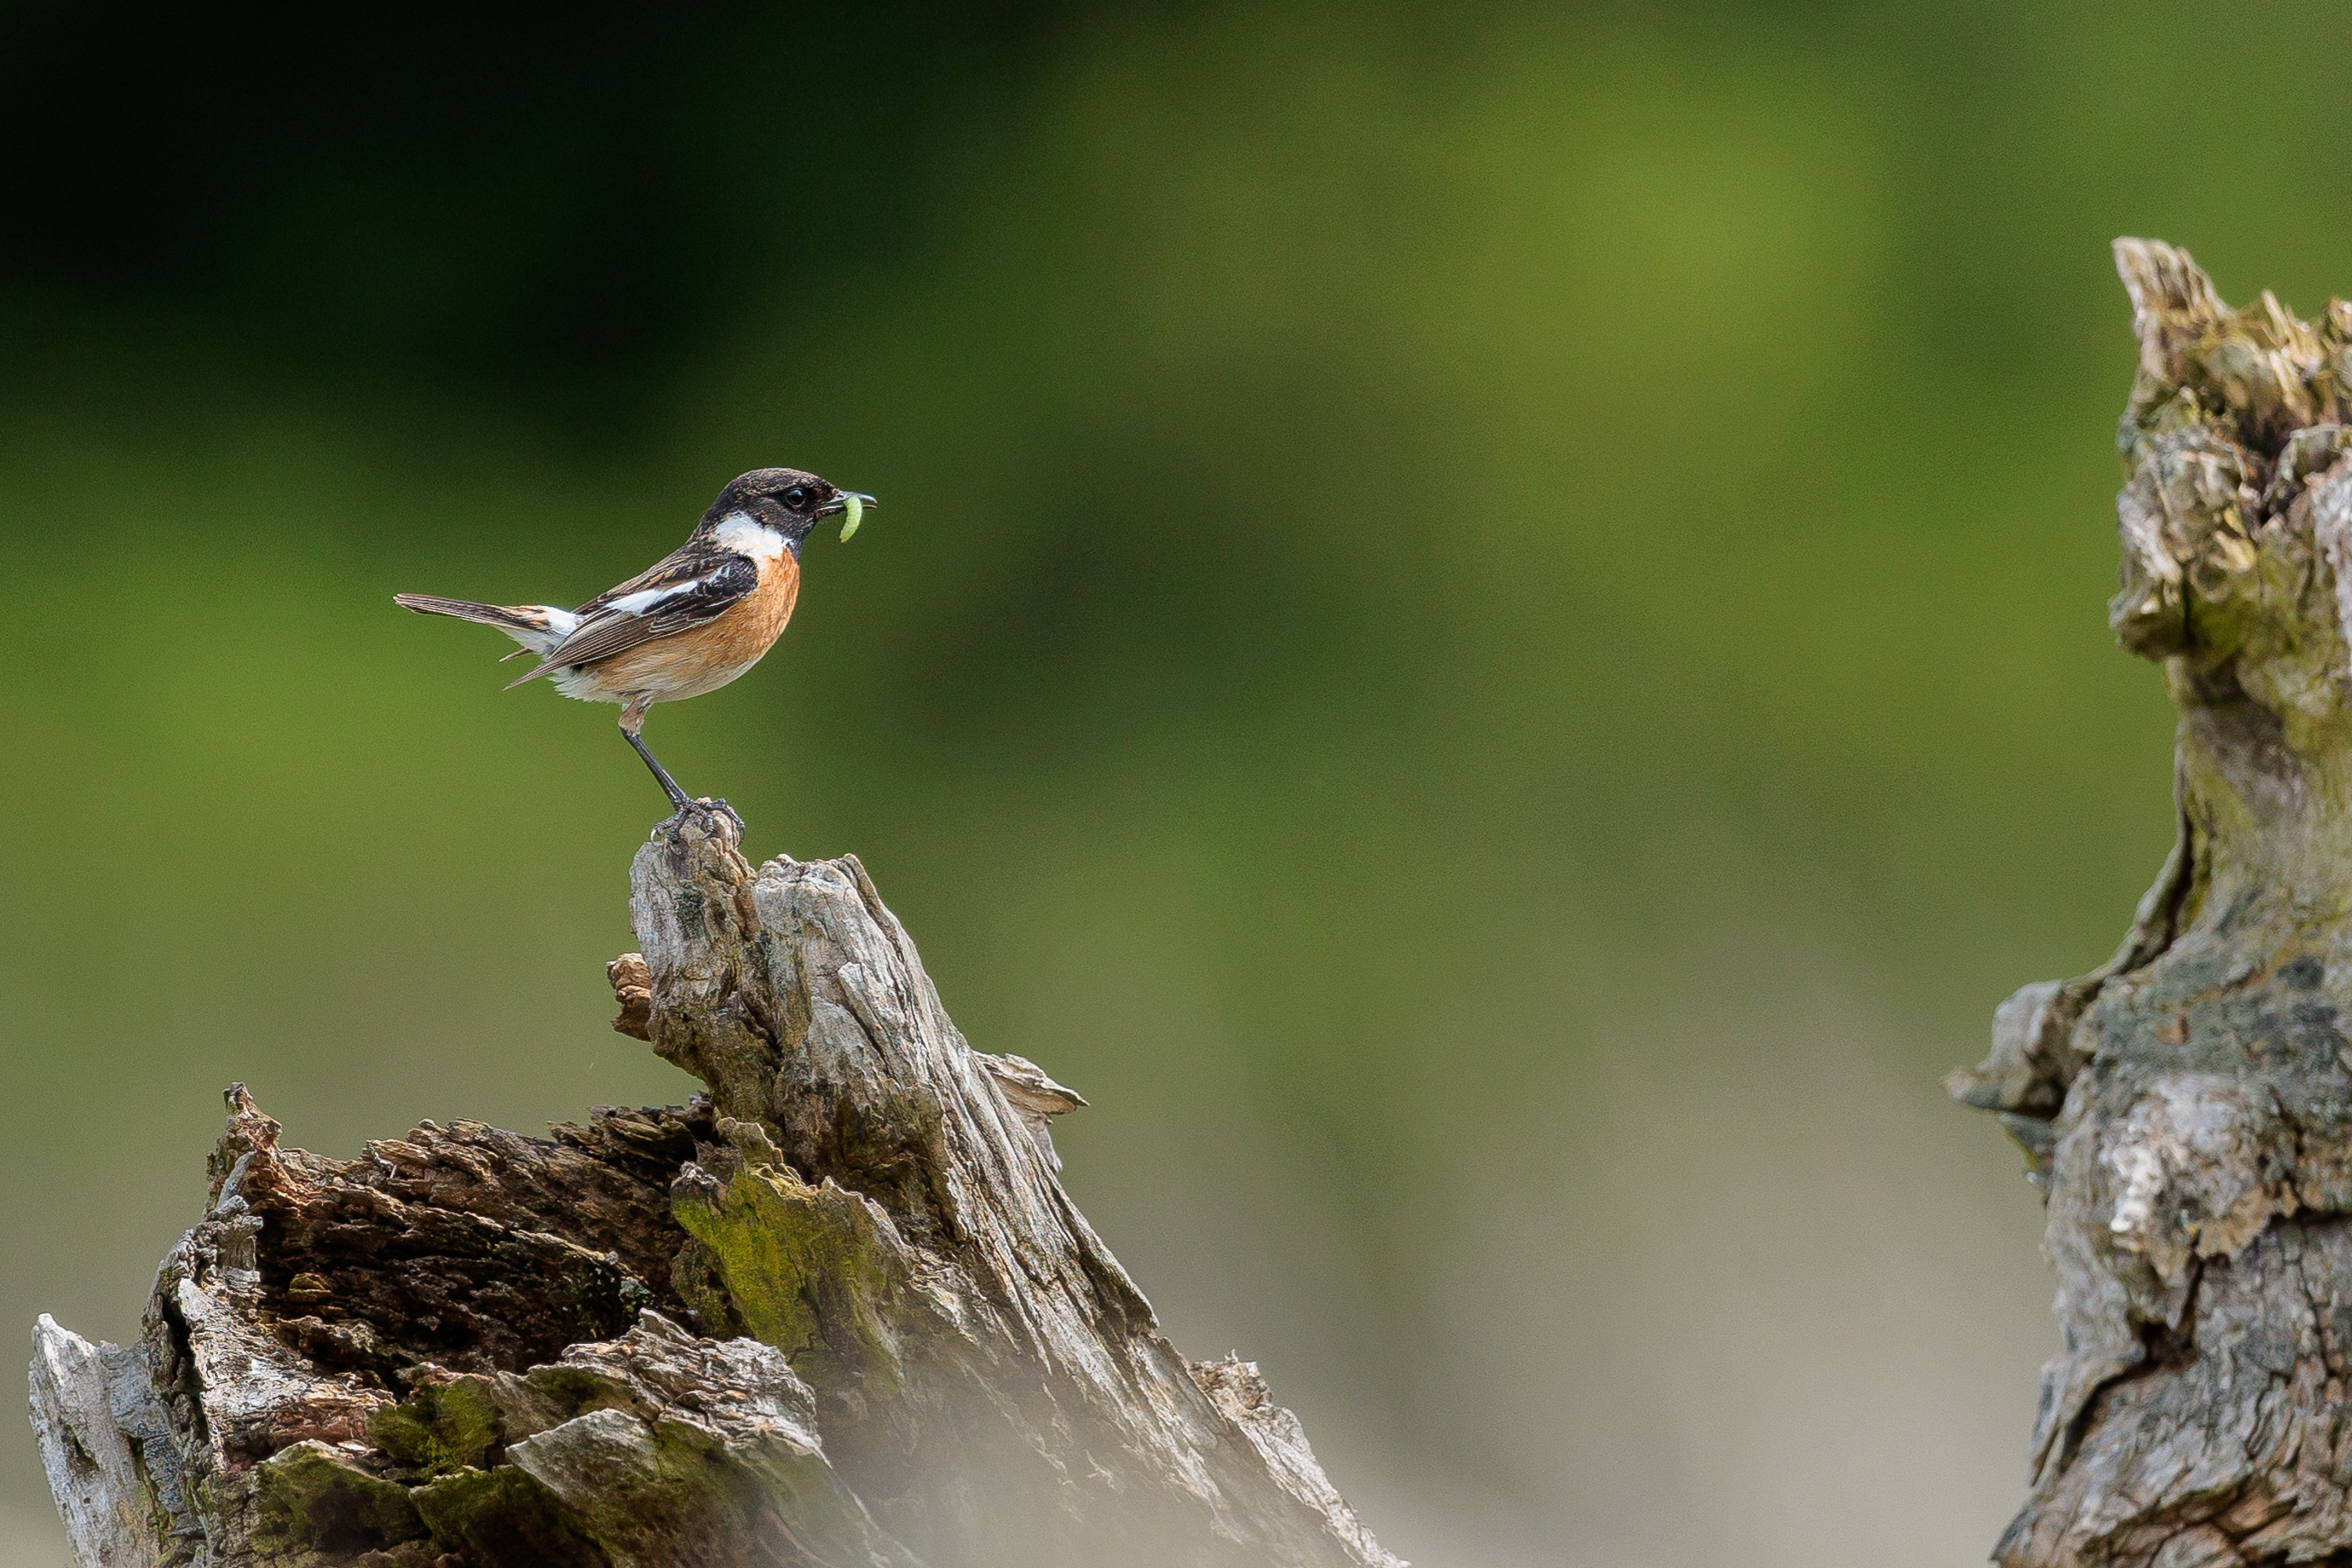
[853, 511]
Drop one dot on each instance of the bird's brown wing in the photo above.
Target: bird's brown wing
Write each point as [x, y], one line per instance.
[690, 587]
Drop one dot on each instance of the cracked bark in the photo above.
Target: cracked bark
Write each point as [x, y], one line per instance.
[838, 1311]
[2187, 1108]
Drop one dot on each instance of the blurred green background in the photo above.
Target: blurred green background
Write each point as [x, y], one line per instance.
[1486, 628]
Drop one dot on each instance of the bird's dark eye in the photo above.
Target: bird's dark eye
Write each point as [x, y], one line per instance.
[796, 497]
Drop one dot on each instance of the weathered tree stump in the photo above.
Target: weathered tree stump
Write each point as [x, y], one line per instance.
[2188, 1107]
[837, 1311]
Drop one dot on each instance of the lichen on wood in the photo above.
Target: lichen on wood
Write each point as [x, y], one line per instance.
[838, 1311]
[2187, 1108]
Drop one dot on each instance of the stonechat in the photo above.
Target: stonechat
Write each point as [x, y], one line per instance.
[689, 623]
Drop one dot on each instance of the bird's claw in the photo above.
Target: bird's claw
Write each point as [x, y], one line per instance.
[668, 826]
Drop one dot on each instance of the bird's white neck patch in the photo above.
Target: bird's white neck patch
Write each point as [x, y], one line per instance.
[746, 535]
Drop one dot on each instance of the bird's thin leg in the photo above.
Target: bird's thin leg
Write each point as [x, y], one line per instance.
[633, 719]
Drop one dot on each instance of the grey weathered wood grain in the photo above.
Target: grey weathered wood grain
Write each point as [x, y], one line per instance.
[837, 1311]
[996, 1386]
[106, 1446]
[2188, 1107]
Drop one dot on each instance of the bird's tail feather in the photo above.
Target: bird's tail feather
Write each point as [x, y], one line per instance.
[538, 628]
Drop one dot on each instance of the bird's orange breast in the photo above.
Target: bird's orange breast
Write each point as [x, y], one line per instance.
[709, 655]
[752, 627]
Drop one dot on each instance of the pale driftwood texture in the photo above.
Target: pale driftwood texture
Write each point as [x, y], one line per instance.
[2188, 1107]
[838, 1311]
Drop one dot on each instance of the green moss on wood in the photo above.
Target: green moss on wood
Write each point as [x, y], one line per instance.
[444, 1427]
[319, 1502]
[808, 1269]
[503, 1516]
[697, 1280]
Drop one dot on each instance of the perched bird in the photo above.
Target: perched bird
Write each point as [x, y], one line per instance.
[689, 623]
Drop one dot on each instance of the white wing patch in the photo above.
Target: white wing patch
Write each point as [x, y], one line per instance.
[644, 599]
[745, 535]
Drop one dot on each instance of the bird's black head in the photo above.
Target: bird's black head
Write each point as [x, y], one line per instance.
[788, 500]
